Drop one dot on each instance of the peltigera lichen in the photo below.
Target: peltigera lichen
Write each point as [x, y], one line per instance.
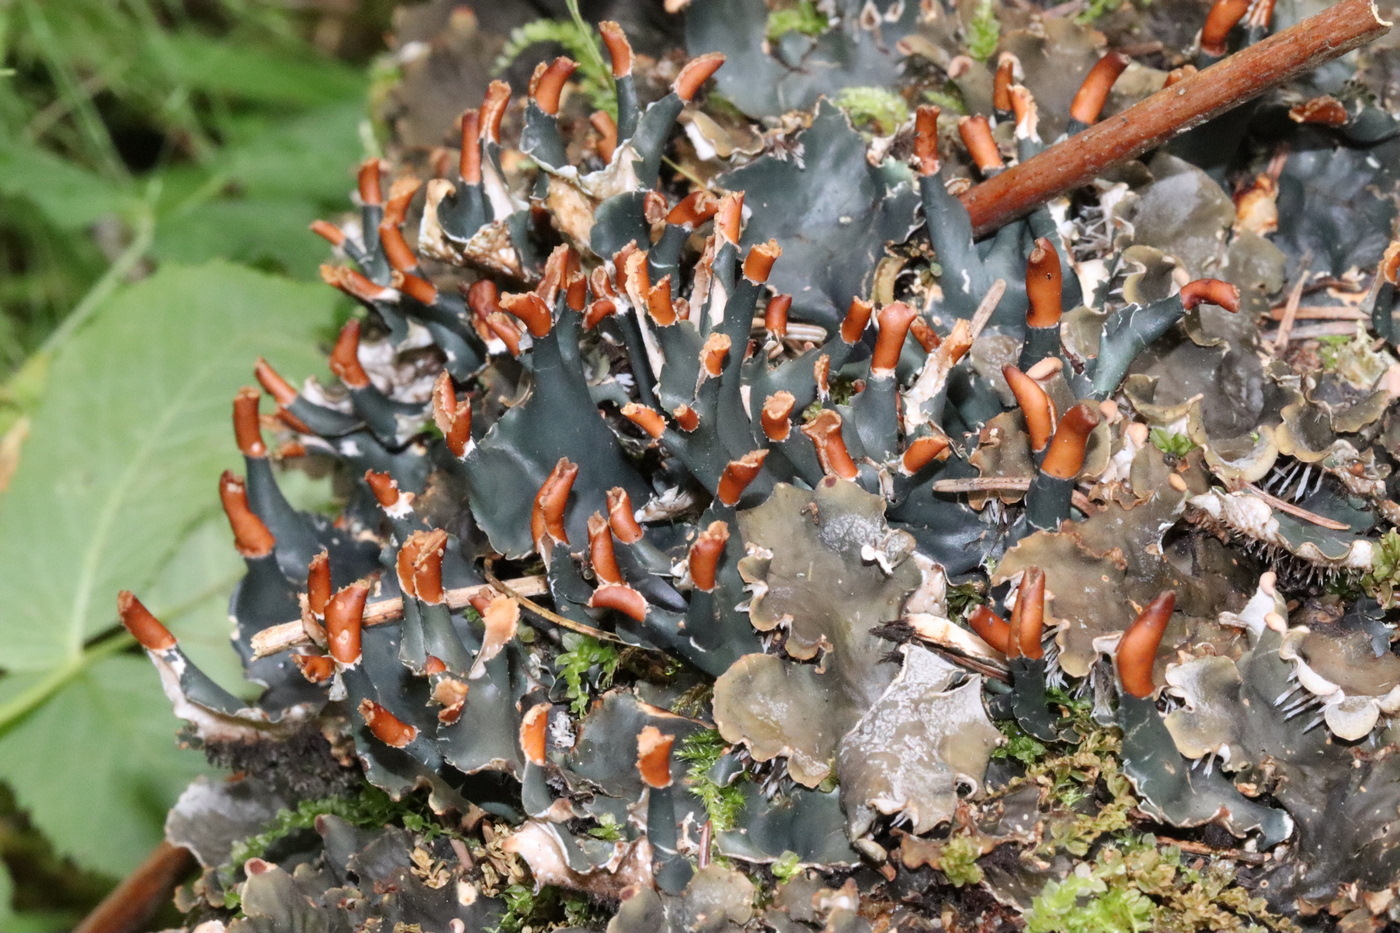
[598, 401]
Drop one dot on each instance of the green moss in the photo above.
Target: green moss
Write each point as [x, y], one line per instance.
[1019, 745]
[786, 866]
[984, 32]
[948, 98]
[580, 42]
[1097, 9]
[1383, 579]
[802, 17]
[958, 861]
[607, 829]
[1354, 358]
[372, 809]
[873, 107]
[962, 598]
[548, 908]
[1084, 903]
[1177, 445]
[1136, 884]
[723, 803]
[587, 667]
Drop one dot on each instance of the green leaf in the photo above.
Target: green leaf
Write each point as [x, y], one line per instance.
[7, 898]
[242, 70]
[310, 157]
[96, 766]
[69, 195]
[114, 484]
[255, 230]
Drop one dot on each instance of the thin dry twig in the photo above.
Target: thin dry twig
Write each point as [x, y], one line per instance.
[1319, 313]
[286, 635]
[1007, 484]
[548, 615]
[1290, 312]
[1297, 511]
[1172, 111]
[1200, 848]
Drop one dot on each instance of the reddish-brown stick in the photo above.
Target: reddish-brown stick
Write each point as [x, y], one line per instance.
[128, 908]
[1172, 111]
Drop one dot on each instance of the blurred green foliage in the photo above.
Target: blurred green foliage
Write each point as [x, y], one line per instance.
[135, 133]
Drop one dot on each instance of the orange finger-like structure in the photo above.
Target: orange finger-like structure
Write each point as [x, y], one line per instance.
[621, 519]
[345, 356]
[1213, 291]
[1224, 15]
[1137, 650]
[143, 626]
[430, 547]
[318, 584]
[1030, 611]
[775, 315]
[1089, 99]
[759, 262]
[738, 474]
[370, 182]
[926, 140]
[469, 160]
[385, 726]
[396, 249]
[384, 487]
[250, 535]
[654, 757]
[547, 84]
[991, 628]
[452, 417]
[1044, 285]
[921, 452]
[1065, 456]
[824, 431]
[600, 550]
[547, 514]
[649, 420]
[619, 49]
[245, 423]
[705, 553]
[1036, 406]
[776, 415]
[894, 327]
[620, 598]
[976, 133]
[694, 75]
[1001, 84]
[531, 310]
[534, 733]
[345, 615]
[856, 319]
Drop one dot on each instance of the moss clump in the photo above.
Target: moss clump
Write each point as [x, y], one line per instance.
[723, 803]
[802, 17]
[984, 32]
[1383, 579]
[878, 109]
[587, 668]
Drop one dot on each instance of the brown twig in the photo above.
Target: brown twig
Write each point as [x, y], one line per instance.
[1318, 313]
[1200, 848]
[1290, 313]
[1172, 111]
[1298, 511]
[1007, 484]
[292, 634]
[147, 889]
